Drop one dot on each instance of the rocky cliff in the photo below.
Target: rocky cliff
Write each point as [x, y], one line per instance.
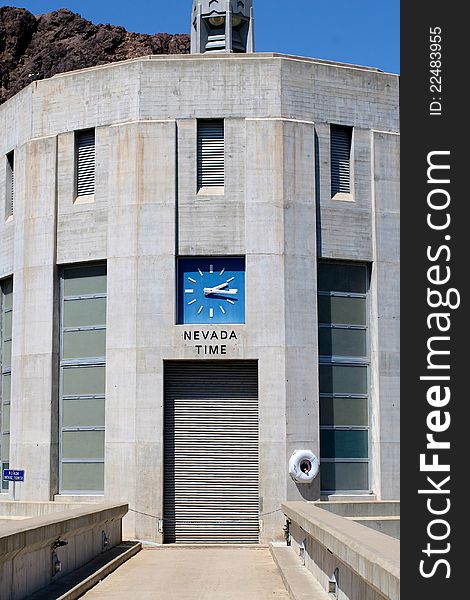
[35, 47]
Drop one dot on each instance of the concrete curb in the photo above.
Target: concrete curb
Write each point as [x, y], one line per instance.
[298, 580]
[92, 580]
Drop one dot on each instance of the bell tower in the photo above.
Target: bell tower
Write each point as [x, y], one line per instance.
[222, 26]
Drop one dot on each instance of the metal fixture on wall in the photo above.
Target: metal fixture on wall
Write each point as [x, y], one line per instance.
[56, 564]
[104, 541]
[333, 584]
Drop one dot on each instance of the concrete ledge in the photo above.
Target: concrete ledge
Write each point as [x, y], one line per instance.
[36, 531]
[367, 554]
[385, 525]
[299, 582]
[361, 508]
[81, 581]
[67, 539]
[348, 497]
[26, 509]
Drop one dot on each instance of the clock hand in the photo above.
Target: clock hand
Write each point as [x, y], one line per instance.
[217, 288]
[209, 291]
[223, 285]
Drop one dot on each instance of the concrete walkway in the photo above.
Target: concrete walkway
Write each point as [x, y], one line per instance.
[194, 573]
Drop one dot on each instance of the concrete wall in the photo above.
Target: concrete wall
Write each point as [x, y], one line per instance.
[366, 562]
[26, 547]
[276, 210]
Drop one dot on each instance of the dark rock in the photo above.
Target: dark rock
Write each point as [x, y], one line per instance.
[36, 47]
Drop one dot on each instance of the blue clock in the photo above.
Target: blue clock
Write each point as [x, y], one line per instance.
[211, 290]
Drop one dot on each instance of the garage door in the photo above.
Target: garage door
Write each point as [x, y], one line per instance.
[211, 489]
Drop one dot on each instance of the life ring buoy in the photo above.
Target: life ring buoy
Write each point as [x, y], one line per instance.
[303, 466]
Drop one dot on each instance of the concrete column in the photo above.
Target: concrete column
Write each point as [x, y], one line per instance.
[301, 319]
[141, 302]
[386, 331]
[228, 29]
[34, 408]
[281, 303]
[265, 309]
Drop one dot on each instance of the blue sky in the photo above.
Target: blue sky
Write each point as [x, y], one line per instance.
[357, 31]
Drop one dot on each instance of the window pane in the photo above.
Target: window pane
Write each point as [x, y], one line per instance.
[340, 310]
[6, 354]
[343, 379]
[83, 413]
[83, 477]
[6, 388]
[5, 417]
[4, 483]
[84, 381]
[7, 290]
[336, 443]
[84, 344]
[82, 444]
[7, 318]
[85, 280]
[344, 411]
[85, 313]
[344, 476]
[342, 342]
[5, 447]
[334, 277]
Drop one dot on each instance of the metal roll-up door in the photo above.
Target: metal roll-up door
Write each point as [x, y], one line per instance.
[211, 479]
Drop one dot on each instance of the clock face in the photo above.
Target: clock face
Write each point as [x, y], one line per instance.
[211, 290]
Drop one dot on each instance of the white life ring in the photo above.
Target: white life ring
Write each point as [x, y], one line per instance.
[303, 466]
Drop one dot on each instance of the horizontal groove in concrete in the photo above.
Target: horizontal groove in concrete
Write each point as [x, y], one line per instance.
[299, 582]
[74, 585]
[358, 519]
[199, 546]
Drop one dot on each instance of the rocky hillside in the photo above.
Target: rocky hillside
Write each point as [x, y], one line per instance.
[35, 47]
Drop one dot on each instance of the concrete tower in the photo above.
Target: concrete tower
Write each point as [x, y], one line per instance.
[222, 26]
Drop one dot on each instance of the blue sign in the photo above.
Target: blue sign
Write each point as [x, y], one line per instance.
[12, 475]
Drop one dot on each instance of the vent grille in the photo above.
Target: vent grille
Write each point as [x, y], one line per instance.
[341, 138]
[86, 163]
[10, 195]
[210, 154]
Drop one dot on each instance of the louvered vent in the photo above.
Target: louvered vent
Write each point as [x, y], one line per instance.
[10, 192]
[341, 138]
[86, 162]
[215, 43]
[210, 154]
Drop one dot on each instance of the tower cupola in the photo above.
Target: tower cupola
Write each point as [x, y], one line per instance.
[222, 26]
